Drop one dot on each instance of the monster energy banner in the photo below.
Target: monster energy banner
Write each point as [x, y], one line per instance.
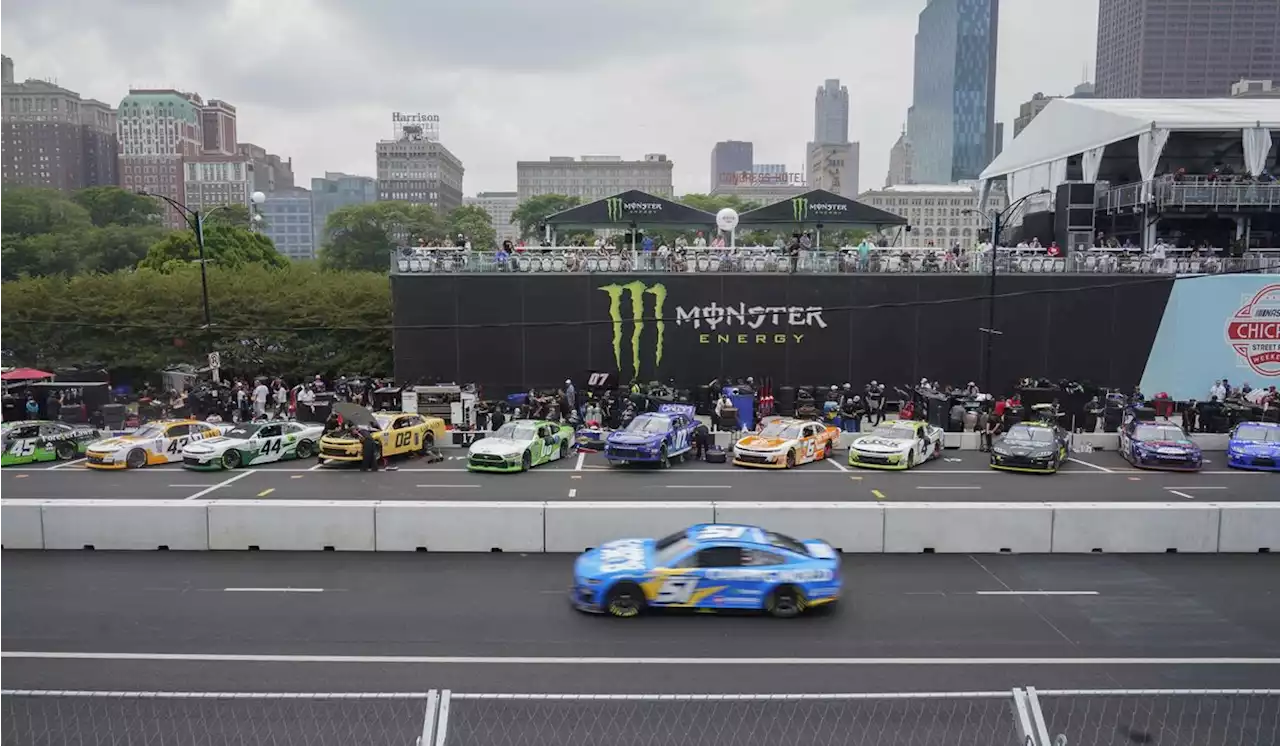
[631, 207]
[820, 207]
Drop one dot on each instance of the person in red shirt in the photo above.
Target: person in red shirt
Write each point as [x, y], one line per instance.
[1000, 405]
[1053, 250]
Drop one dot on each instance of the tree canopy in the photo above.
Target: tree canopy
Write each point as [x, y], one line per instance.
[224, 245]
[475, 223]
[363, 236]
[530, 213]
[109, 205]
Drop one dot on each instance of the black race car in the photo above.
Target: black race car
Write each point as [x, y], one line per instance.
[1036, 447]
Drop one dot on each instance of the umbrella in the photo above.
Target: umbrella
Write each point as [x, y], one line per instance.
[24, 374]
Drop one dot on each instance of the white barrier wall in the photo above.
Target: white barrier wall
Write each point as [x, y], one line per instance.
[967, 527]
[1249, 527]
[21, 524]
[459, 526]
[302, 525]
[849, 527]
[125, 524]
[1132, 528]
[573, 527]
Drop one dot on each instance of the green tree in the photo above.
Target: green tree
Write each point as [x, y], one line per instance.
[41, 254]
[530, 213]
[363, 236]
[118, 247]
[475, 223]
[110, 205]
[30, 212]
[236, 215]
[224, 245]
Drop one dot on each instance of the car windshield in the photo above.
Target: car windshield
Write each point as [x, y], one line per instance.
[649, 424]
[1028, 434]
[243, 432]
[781, 431]
[1159, 432]
[665, 556]
[148, 431]
[1258, 433]
[514, 431]
[895, 431]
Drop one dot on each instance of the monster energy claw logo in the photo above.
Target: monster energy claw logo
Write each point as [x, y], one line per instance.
[799, 208]
[635, 291]
[614, 204]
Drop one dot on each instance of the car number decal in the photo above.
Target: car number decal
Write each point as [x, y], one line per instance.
[676, 590]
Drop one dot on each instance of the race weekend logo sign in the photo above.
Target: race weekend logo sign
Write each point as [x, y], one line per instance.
[730, 324]
[1254, 332]
[801, 207]
[618, 209]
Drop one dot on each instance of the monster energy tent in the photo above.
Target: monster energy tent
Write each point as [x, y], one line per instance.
[820, 207]
[630, 209]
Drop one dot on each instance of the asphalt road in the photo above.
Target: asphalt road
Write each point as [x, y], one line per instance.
[959, 476]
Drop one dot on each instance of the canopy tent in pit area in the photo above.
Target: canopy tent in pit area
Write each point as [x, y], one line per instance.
[820, 207]
[630, 210]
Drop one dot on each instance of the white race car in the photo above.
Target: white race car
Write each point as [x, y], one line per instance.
[159, 442]
[897, 444]
[254, 443]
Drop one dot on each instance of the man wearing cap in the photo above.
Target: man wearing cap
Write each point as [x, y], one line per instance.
[570, 395]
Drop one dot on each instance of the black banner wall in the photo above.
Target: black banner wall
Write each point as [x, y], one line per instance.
[509, 332]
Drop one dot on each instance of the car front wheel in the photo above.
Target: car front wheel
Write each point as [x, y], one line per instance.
[231, 459]
[136, 459]
[624, 600]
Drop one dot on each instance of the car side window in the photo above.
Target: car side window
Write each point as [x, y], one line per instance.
[720, 557]
[761, 558]
[544, 432]
[810, 430]
[26, 431]
[400, 422]
[177, 431]
[51, 429]
[269, 431]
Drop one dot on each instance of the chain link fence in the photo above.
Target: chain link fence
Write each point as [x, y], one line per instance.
[1164, 717]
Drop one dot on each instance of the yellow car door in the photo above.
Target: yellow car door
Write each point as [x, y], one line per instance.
[401, 438]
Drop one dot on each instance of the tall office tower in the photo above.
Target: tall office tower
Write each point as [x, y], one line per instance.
[729, 159]
[831, 113]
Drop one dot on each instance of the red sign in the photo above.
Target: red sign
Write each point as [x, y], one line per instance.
[1254, 332]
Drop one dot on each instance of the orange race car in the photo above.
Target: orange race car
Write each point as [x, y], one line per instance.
[784, 443]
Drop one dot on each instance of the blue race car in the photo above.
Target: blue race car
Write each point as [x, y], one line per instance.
[1159, 445]
[653, 437]
[1255, 445]
[707, 566]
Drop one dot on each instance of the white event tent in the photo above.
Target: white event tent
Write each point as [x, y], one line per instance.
[1084, 128]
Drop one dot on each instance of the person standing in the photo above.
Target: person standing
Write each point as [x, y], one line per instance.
[368, 450]
[260, 393]
[281, 397]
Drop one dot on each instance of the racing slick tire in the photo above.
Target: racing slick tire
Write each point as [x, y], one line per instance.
[526, 461]
[136, 459]
[664, 461]
[65, 451]
[232, 460]
[791, 459]
[784, 602]
[624, 600]
[305, 449]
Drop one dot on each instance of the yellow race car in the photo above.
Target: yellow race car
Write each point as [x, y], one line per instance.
[159, 442]
[395, 434]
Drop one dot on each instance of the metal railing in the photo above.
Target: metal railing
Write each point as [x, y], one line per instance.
[1017, 717]
[757, 260]
[1169, 195]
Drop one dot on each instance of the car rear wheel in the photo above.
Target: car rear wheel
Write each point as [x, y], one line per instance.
[791, 459]
[785, 602]
[65, 451]
[305, 449]
[231, 459]
[624, 600]
[136, 459]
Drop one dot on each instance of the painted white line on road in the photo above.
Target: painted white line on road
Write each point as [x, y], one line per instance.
[64, 464]
[838, 465]
[581, 457]
[450, 486]
[1038, 593]
[1193, 489]
[313, 468]
[573, 493]
[273, 590]
[197, 486]
[967, 487]
[1182, 494]
[219, 485]
[1091, 466]
[562, 661]
[699, 487]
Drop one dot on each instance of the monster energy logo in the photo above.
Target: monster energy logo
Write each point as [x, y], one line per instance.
[800, 208]
[635, 291]
[617, 208]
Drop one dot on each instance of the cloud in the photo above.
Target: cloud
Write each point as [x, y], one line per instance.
[317, 80]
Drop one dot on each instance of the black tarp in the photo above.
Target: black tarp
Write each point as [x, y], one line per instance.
[820, 207]
[631, 208]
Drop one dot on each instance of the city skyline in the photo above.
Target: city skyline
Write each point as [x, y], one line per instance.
[325, 104]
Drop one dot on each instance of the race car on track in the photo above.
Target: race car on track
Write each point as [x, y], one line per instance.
[707, 566]
[653, 437]
[253, 443]
[897, 444]
[785, 443]
[159, 442]
[1255, 445]
[30, 441]
[1035, 447]
[1158, 445]
[520, 445]
[394, 434]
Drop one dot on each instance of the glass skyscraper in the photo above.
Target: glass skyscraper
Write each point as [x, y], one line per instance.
[952, 120]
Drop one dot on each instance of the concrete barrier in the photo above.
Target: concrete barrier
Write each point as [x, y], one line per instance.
[1135, 527]
[1095, 441]
[125, 524]
[1249, 527]
[302, 525]
[459, 526]
[573, 526]
[849, 527]
[967, 527]
[21, 524]
[1211, 441]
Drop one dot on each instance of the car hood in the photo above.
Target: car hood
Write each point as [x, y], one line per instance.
[354, 414]
[761, 443]
[621, 438]
[1256, 447]
[1023, 448]
[1177, 445]
[497, 447]
[619, 557]
[216, 443]
[877, 443]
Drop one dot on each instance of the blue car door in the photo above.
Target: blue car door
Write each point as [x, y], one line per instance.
[705, 578]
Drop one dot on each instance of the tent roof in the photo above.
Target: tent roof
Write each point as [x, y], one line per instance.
[819, 206]
[633, 206]
[1070, 126]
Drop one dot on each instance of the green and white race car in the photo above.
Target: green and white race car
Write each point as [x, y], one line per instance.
[30, 441]
[520, 445]
[253, 443]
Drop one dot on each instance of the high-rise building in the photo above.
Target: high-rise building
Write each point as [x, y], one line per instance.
[939, 214]
[1188, 49]
[333, 191]
[833, 167]
[953, 103]
[500, 206]
[159, 129]
[271, 173]
[214, 180]
[831, 113]
[53, 138]
[900, 155]
[1255, 89]
[416, 167]
[287, 221]
[594, 176]
[1031, 108]
[729, 158]
[218, 128]
[769, 169]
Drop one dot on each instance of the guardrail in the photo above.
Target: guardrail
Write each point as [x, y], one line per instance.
[564, 526]
[1167, 194]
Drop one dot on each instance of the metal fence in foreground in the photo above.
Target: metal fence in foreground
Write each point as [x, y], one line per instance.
[1019, 717]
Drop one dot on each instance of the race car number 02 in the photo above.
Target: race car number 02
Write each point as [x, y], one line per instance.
[402, 439]
[676, 591]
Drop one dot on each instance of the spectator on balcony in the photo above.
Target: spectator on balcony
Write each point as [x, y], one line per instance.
[1054, 250]
[699, 241]
[646, 244]
[778, 243]
[717, 242]
[1180, 175]
[502, 257]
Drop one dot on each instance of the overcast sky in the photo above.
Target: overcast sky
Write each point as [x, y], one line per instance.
[317, 80]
